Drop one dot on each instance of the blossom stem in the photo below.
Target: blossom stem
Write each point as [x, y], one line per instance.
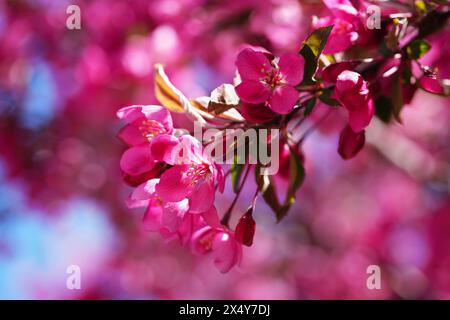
[226, 217]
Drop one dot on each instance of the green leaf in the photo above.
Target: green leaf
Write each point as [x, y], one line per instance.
[236, 173]
[325, 97]
[266, 185]
[418, 48]
[397, 95]
[297, 176]
[383, 108]
[309, 106]
[311, 50]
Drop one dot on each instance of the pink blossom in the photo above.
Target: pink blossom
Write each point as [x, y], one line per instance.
[353, 92]
[272, 82]
[145, 125]
[345, 23]
[221, 244]
[193, 178]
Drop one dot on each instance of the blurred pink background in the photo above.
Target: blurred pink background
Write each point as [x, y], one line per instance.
[62, 196]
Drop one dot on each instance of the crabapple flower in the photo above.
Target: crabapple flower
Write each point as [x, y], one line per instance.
[346, 24]
[221, 244]
[350, 143]
[193, 178]
[145, 125]
[353, 92]
[269, 81]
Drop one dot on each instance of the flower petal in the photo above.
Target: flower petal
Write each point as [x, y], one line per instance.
[252, 65]
[153, 215]
[291, 67]
[175, 184]
[151, 112]
[131, 135]
[360, 118]
[173, 213]
[253, 91]
[431, 85]
[211, 217]
[130, 113]
[140, 196]
[159, 114]
[256, 113]
[351, 90]
[350, 143]
[226, 251]
[283, 99]
[203, 198]
[137, 160]
[161, 148]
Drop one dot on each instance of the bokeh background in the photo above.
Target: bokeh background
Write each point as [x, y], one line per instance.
[62, 197]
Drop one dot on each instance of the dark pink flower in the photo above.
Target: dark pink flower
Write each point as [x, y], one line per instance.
[271, 82]
[221, 244]
[350, 143]
[353, 92]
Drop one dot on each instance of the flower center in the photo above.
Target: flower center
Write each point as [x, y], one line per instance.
[151, 128]
[273, 78]
[206, 242]
[197, 171]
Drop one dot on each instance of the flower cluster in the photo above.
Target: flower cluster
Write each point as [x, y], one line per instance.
[176, 180]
